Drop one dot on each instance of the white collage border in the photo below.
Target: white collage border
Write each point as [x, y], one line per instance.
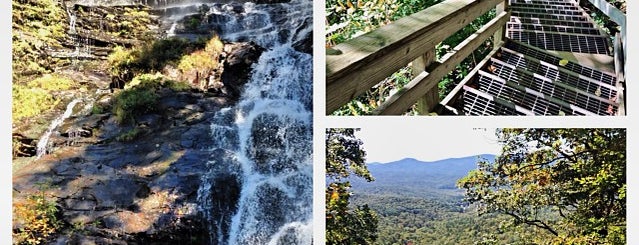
[321, 122]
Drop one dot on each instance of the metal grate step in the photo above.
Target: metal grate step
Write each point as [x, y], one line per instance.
[556, 2]
[527, 99]
[564, 29]
[562, 42]
[528, 9]
[554, 73]
[549, 16]
[571, 66]
[552, 89]
[477, 103]
[527, 20]
[547, 6]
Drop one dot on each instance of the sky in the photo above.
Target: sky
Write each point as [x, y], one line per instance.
[383, 144]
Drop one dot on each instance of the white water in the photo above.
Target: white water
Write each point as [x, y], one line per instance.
[267, 135]
[44, 140]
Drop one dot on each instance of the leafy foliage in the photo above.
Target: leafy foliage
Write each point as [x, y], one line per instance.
[36, 96]
[37, 25]
[569, 182]
[203, 61]
[136, 100]
[345, 157]
[37, 216]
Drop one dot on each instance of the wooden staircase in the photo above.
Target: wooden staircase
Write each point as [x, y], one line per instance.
[554, 61]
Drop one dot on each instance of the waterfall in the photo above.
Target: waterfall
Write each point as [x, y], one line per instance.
[42, 147]
[258, 189]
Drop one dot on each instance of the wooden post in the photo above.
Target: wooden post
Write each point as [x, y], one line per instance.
[501, 32]
[427, 102]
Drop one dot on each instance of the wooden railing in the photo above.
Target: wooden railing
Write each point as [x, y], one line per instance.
[619, 44]
[355, 66]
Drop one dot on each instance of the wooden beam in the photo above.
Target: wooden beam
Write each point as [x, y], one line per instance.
[453, 93]
[427, 80]
[500, 34]
[354, 66]
[427, 102]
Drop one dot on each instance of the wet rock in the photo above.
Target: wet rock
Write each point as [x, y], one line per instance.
[237, 65]
[271, 1]
[115, 192]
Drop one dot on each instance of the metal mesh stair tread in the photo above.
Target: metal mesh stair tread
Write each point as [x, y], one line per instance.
[549, 28]
[571, 66]
[544, 1]
[477, 103]
[527, 99]
[560, 92]
[529, 20]
[564, 6]
[550, 11]
[549, 16]
[562, 42]
[555, 73]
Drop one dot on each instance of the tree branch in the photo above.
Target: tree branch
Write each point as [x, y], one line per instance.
[537, 223]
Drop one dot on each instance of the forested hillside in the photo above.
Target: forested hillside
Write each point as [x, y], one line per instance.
[419, 202]
[548, 186]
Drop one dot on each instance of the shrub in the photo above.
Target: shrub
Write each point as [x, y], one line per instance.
[129, 135]
[50, 82]
[177, 86]
[134, 101]
[203, 61]
[148, 81]
[29, 102]
[38, 218]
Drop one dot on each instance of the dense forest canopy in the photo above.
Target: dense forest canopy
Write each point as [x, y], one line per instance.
[345, 157]
[568, 182]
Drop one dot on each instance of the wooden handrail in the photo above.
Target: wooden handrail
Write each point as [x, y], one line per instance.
[354, 66]
[618, 17]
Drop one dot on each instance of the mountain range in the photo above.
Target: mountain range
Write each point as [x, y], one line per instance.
[412, 177]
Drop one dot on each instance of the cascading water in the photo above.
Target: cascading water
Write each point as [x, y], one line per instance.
[258, 189]
[43, 142]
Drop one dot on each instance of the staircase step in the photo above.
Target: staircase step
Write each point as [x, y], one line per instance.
[562, 42]
[552, 88]
[477, 103]
[538, 54]
[549, 16]
[525, 98]
[545, 2]
[566, 6]
[548, 28]
[528, 20]
[557, 73]
[528, 9]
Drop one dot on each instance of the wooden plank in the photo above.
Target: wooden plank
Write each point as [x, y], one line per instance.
[453, 93]
[406, 97]
[615, 14]
[354, 66]
[500, 34]
[427, 102]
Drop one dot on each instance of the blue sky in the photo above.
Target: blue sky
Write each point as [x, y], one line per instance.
[384, 144]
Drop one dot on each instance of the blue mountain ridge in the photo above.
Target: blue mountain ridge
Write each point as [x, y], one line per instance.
[413, 177]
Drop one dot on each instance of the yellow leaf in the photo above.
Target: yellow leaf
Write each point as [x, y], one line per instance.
[349, 4]
[563, 62]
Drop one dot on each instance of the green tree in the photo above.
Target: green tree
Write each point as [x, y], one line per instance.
[345, 157]
[568, 182]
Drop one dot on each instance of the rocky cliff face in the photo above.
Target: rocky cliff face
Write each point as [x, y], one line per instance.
[124, 183]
